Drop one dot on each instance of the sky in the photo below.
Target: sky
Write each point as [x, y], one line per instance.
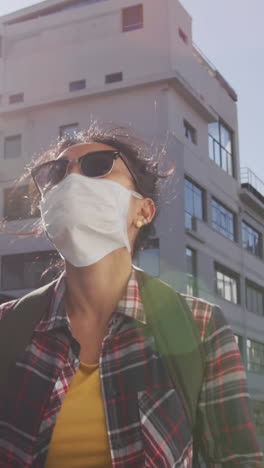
[231, 34]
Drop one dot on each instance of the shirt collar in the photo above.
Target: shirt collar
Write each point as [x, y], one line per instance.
[130, 305]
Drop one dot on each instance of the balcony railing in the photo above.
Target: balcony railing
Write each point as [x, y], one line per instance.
[212, 70]
[252, 183]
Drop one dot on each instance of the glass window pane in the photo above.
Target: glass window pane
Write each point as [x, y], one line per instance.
[17, 204]
[149, 261]
[255, 356]
[211, 148]
[191, 280]
[229, 164]
[217, 155]
[12, 273]
[254, 298]
[213, 130]
[223, 159]
[12, 147]
[77, 85]
[69, 131]
[226, 286]
[226, 138]
[149, 258]
[220, 146]
[223, 220]
[132, 18]
[193, 201]
[251, 239]
[24, 271]
[258, 409]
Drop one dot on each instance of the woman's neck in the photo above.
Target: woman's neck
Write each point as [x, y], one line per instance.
[93, 292]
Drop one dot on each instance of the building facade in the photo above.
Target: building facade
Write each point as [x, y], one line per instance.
[65, 63]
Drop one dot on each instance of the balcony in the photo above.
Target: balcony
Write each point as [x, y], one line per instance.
[252, 190]
[211, 69]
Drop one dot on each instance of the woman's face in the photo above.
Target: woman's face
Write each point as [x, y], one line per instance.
[139, 209]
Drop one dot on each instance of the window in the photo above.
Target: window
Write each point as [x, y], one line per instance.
[17, 204]
[239, 341]
[194, 203]
[258, 410]
[132, 18]
[12, 147]
[16, 98]
[191, 287]
[254, 298]
[113, 77]
[255, 356]
[251, 240]
[190, 132]
[183, 36]
[221, 146]
[227, 284]
[77, 85]
[25, 271]
[69, 130]
[223, 220]
[149, 258]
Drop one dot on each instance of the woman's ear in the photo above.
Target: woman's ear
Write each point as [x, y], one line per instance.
[148, 209]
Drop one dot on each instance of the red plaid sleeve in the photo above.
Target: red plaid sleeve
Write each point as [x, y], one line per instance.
[225, 420]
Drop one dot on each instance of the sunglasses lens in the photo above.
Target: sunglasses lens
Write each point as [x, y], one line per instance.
[50, 174]
[97, 164]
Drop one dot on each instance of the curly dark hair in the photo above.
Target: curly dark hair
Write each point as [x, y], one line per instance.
[143, 159]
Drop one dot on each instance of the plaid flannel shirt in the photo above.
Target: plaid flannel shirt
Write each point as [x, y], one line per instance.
[146, 423]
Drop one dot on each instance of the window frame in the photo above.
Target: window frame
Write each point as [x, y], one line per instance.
[224, 207]
[255, 366]
[153, 243]
[134, 26]
[183, 36]
[232, 275]
[203, 205]
[24, 209]
[191, 277]
[115, 77]
[230, 170]
[16, 98]
[9, 138]
[257, 289]
[240, 343]
[258, 411]
[20, 262]
[245, 225]
[72, 85]
[191, 130]
[62, 127]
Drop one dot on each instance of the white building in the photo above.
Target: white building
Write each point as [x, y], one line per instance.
[63, 62]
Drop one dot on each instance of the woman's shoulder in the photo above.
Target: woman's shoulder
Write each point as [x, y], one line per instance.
[205, 314]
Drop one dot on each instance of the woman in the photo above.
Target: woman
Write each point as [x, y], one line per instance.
[91, 389]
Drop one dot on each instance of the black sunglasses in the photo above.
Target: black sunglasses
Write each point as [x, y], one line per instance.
[95, 164]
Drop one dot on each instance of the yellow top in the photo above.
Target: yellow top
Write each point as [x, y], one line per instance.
[79, 439]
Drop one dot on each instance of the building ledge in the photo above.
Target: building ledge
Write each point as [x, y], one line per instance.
[172, 78]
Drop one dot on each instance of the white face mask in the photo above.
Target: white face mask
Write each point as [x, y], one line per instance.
[86, 218]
